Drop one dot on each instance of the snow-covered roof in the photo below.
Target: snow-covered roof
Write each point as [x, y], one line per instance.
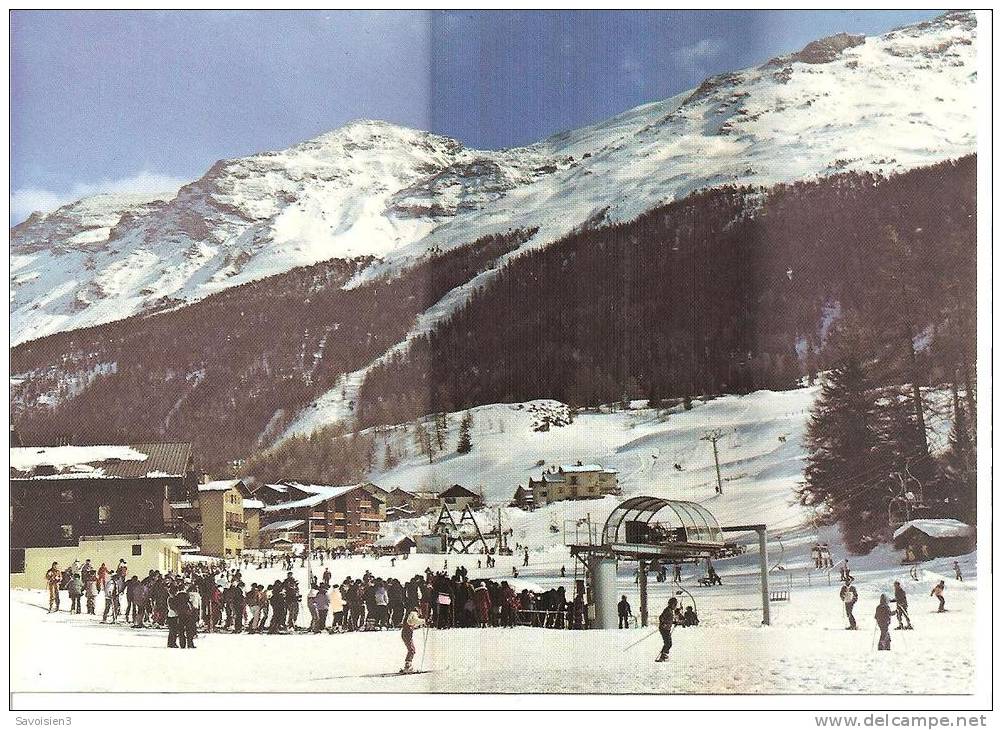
[578, 468]
[316, 494]
[282, 525]
[391, 541]
[937, 528]
[253, 504]
[553, 477]
[101, 461]
[220, 485]
[180, 505]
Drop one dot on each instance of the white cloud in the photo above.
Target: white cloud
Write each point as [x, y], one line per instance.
[25, 201]
[695, 53]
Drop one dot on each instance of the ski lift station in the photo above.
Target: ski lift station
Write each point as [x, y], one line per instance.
[651, 529]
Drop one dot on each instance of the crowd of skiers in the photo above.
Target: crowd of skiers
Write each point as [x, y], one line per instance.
[211, 597]
[444, 601]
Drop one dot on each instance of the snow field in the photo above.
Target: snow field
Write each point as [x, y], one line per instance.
[806, 650]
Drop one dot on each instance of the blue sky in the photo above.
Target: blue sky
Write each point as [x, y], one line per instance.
[106, 101]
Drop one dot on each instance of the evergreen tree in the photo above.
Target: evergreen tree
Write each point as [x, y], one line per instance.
[441, 428]
[959, 482]
[902, 444]
[370, 454]
[422, 439]
[843, 456]
[465, 444]
[389, 458]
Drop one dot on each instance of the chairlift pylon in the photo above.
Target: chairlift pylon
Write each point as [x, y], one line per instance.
[907, 504]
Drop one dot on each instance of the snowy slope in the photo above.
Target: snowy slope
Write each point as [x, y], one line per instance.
[761, 460]
[890, 103]
[894, 102]
[761, 457]
[365, 188]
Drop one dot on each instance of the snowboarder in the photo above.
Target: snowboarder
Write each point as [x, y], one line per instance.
[900, 600]
[956, 570]
[666, 622]
[937, 591]
[883, 618]
[624, 613]
[849, 596]
[412, 622]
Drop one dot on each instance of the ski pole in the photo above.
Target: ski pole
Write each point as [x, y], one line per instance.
[424, 646]
[643, 638]
[874, 639]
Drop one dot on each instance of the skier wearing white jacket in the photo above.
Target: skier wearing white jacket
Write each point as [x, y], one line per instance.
[382, 598]
[412, 622]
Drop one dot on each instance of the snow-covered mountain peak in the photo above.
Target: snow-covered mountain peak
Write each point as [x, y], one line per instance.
[81, 224]
[883, 104]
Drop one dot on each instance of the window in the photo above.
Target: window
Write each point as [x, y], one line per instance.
[104, 514]
[17, 561]
[66, 495]
[137, 549]
[67, 531]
